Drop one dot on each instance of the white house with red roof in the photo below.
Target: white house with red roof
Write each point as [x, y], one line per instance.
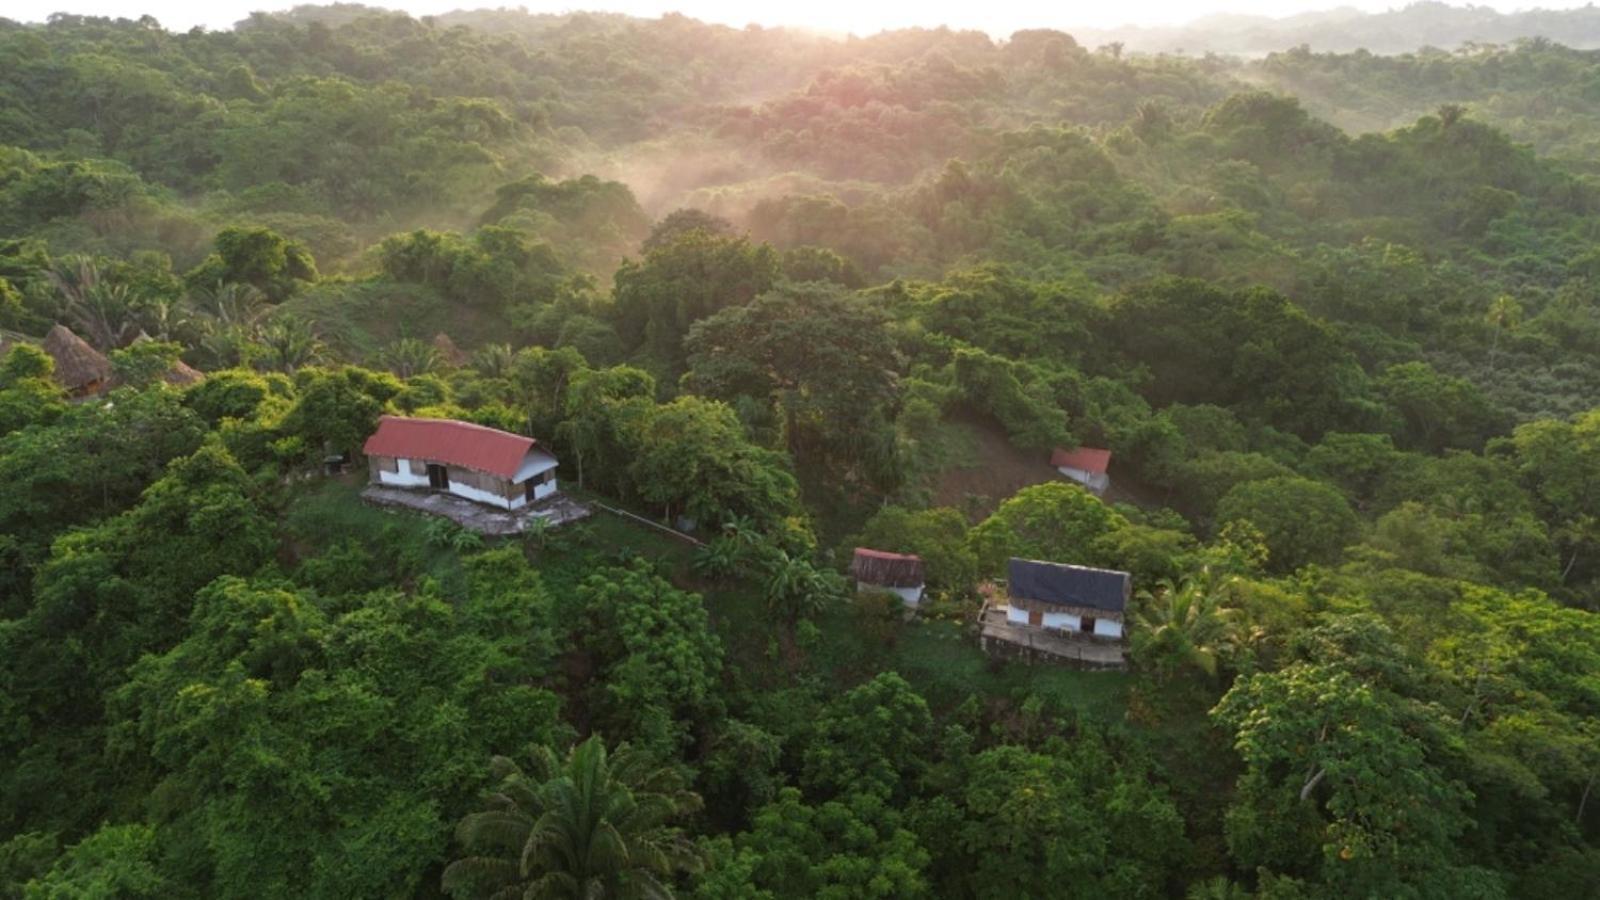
[1085, 465]
[895, 573]
[482, 464]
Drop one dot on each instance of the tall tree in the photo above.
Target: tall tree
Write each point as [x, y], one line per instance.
[1184, 624]
[590, 826]
[821, 358]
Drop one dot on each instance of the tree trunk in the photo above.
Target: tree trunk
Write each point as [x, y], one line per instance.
[1571, 561]
[1583, 801]
[1312, 782]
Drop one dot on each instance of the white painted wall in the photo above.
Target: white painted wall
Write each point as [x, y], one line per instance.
[910, 596]
[1094, 481]
[404, 478]
[1108, 628]
[532, 464]
[482, 496]
[1062, 621]
[1072, 624]
[541, 491]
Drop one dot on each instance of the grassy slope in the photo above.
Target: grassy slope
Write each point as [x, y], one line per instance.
[941, 659]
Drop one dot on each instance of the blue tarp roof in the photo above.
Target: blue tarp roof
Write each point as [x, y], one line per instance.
[1048, 582]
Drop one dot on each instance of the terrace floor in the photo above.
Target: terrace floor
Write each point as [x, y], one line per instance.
[557, 509]
[996, 634]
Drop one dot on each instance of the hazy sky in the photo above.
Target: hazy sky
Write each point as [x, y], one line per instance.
[998, 17]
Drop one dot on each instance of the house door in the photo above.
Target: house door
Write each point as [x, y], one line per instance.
[438, 477]
[1088, 625]
[1036, 618]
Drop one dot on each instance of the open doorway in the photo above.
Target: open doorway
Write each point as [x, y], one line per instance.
[438, 477]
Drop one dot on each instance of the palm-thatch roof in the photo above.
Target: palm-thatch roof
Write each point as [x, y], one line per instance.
[79, 367]
[182, 374]
[449, 353]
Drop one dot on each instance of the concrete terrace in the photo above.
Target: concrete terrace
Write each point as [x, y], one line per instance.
[999, 637]
[558, 509]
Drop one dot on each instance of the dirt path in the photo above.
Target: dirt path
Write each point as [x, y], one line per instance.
[996, 471]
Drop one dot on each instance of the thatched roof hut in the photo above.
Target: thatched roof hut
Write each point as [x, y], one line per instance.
[449, 353]
[80, 368]
[182, 374]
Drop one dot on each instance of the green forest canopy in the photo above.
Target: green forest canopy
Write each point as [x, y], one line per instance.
[1335, 314]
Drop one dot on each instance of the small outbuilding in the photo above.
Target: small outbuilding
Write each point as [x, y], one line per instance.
[1085, 465]
[900, 574]
[1075, 600]
[80, 368]
[476, 462]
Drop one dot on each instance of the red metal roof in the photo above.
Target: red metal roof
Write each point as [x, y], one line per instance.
[449, 441]
[884, 554]
[1089, 459]
[888, 569]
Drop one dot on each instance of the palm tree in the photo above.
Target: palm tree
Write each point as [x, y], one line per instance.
[795, 588]
[408, 357]
[1505, 314]
[589, 826]
[1581, 531]
[164, 316]
[1450, 114]
[719, 558]
[289, 343]
[228, 304]
[228, 317]
[741, 530]
[494, 360]
[1185, 625]
[102, 313]
[1216, 888]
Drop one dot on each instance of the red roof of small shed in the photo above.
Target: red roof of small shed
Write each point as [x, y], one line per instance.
[1088, 459]
[449, 441]
[888, 569]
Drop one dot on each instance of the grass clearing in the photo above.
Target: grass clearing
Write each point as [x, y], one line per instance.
[943, 661]
[327, 513]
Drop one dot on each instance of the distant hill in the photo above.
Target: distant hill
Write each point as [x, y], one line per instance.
[1428, 24]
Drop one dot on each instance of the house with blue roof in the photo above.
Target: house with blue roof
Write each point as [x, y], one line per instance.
[1075, 601]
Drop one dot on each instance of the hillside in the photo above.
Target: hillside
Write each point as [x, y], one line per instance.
[1327, 318]
[1405, 29]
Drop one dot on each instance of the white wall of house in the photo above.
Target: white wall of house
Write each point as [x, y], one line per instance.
[910, 596]
[404, 478]
[482, 496]
[1110, 628]
[541, 491]
[1094, 481]
[1068, 622]
[1062, 621]
[535, 463]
